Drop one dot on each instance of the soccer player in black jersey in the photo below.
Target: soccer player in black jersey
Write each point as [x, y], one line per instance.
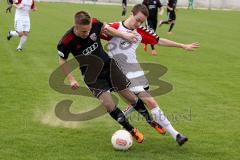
[124, 8]
[101, 74]
[152, 19]
[171, 15]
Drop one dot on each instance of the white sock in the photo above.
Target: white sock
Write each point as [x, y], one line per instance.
[22, 41]
[14, 33]
[160, 118]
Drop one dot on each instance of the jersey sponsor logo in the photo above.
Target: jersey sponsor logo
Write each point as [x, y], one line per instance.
[125, 44]
[90, 49]
[93, 37]
[152, 6]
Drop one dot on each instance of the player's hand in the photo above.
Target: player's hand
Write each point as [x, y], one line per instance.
[9, 8]
[190, 47]
[130, 37]
[74, 84]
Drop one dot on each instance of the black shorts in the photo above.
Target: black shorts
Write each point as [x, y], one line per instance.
[171, 15]
[152, 23]
[110, 79]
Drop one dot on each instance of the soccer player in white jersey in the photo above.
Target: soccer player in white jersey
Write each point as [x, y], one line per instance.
[125, 55]
[22, 21]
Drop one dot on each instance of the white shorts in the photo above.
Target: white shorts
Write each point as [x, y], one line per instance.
[138, 84]
[133, 72]
[22, 25]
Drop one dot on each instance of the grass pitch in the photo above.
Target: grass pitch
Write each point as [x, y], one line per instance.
[204, 102]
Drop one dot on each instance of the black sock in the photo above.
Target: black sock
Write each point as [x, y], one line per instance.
[152, 46]
[140, 108]
[171, 27]
[124, 12]
[118, 115]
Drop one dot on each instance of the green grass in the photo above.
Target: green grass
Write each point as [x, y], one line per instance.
[206, 81]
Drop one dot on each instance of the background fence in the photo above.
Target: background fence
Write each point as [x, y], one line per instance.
[208, 4]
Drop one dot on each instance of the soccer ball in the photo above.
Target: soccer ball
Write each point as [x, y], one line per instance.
[121, 140]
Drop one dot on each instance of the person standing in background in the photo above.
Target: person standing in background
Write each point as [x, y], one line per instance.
[152, 19]
[22, 21]
[171, 15]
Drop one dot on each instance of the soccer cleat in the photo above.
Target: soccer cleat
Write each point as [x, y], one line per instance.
[137, 135]
[181, 139]
[154, 52]
[158, 127]
[9, 36]
[19, 49]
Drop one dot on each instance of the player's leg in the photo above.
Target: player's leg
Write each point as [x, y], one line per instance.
[23, 39]
[190, 4]
[124, 8]
[159, 116]
[154, 27]
[172, 22]
[26, 30]
[113, 79]
[137, 104]
[118, 115]
[120, 83]
[18, 26]
[165, 22]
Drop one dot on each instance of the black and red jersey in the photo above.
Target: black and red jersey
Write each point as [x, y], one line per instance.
[70, 43]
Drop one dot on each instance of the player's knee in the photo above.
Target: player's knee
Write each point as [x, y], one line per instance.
[20, 34]
[109, 106]
[132, 100]
[25, 33]
[151, 103]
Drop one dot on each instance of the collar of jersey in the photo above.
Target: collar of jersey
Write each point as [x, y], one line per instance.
[126, 26]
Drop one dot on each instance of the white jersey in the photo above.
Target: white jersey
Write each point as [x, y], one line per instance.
[124, 53]
[22, 11]
[121, 46]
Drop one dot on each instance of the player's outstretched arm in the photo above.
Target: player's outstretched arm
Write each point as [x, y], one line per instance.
[169, 43]
[131, 37]
[74, 84]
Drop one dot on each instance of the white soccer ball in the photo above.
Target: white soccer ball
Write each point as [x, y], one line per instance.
[122, 140]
